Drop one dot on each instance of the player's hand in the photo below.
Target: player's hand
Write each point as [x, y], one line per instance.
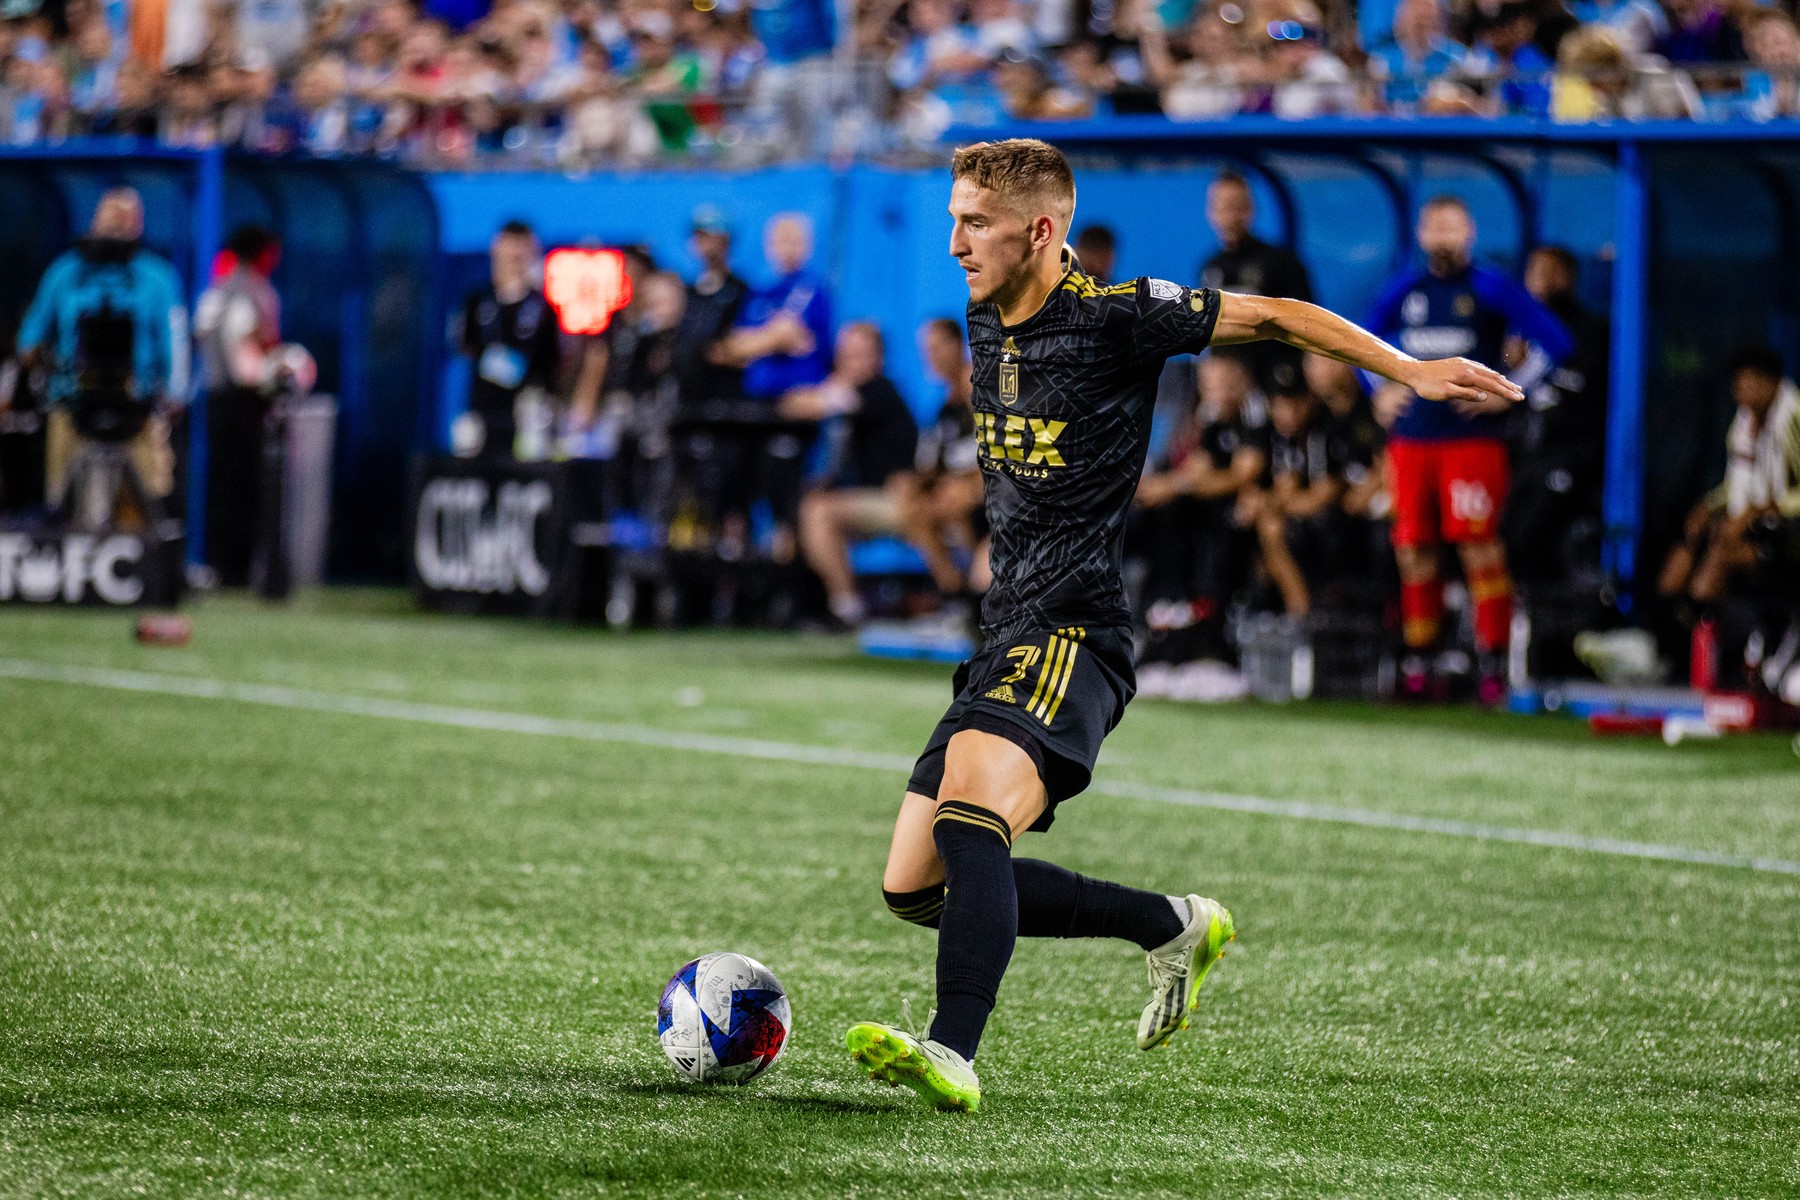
[1460, 379]
[1476, 408]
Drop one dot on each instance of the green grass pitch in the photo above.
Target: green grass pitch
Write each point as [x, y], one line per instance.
[256, 951]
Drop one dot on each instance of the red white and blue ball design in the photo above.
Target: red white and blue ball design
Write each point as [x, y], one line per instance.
[723, 1018]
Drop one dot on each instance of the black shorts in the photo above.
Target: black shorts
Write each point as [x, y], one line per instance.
[1054, 695]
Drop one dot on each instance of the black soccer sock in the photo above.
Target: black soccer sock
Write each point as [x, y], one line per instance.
[1056, 902]
[922, 907]
[980, 920]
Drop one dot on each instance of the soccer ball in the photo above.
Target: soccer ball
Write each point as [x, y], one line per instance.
[723, 1018]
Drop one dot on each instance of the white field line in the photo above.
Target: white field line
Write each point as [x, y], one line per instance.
[739, 747]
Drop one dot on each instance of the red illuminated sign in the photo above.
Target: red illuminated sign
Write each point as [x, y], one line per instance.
[586, 287]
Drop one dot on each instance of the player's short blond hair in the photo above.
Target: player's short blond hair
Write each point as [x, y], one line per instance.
[1030, 175]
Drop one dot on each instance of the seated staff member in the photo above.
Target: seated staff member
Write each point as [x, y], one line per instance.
[1189, 527]
[942, 508]
[1362, 445]
[1752, 515]
[868, 438]
[1299, 526]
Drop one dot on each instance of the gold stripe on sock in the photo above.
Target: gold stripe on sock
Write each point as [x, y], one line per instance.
[996, 830]
[974, 814]
[909, 910]
[919, 918]
[971, 814]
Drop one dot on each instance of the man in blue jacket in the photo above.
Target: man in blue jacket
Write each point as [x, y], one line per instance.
[783, 343]
[783, 335]
[108, 280]
[1447, 463]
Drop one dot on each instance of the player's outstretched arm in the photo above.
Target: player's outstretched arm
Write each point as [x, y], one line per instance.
[1311, 328]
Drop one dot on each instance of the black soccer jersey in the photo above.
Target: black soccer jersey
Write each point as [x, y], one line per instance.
[1249, 430]
[1062, 416]
[1308, 457]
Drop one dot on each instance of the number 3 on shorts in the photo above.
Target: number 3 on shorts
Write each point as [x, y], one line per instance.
[1024, 657]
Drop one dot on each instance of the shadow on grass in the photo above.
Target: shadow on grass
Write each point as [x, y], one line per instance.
[731, 1095]
[102, 1077]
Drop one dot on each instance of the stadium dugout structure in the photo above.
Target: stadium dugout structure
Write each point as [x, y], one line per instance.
[1689, 236]
[1675, 207]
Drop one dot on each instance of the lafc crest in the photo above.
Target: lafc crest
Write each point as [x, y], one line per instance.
[1009, 373]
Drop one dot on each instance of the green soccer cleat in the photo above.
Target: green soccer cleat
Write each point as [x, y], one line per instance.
[942, 1077]
[1179, 967]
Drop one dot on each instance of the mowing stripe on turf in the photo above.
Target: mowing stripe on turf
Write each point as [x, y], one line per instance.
[1300, 810]
[446, 714]
[705, 743]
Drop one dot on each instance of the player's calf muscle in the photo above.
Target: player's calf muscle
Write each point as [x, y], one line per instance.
[912, 856]
[912, 886]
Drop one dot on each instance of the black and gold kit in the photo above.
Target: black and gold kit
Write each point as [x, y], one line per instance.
[1062, 416]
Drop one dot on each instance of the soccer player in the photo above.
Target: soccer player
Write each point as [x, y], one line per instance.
[1065, 376]
[1447, 463]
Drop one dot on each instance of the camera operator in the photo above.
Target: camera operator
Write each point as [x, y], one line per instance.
[244, 367]
[109, 329]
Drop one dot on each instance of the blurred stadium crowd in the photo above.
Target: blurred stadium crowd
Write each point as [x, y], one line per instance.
[589, 82]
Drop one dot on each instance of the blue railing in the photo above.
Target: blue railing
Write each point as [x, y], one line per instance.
[1149, 131]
